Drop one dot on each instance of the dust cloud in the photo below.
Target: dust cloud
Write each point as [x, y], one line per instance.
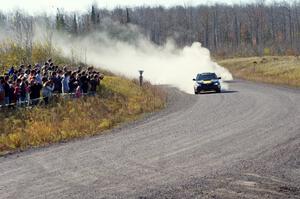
[124, 50]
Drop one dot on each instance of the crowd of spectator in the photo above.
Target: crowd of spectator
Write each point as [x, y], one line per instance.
[29, 85]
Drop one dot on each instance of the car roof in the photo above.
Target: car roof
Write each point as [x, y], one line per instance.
[206, 73]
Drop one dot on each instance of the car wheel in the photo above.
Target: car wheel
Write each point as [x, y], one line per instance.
[218, 90]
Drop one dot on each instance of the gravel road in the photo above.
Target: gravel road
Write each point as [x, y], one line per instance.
[243, 143]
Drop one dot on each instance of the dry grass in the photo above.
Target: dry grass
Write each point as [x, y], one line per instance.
[275, 70]
[13, 54]
[120, 100]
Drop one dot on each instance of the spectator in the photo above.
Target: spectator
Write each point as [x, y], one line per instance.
[17, 91]
[72, 81]
[37, 66]
[38, 77]
[15, 75]
[47, 91]
[78, 90]
[65, 83]
[11, 93]
[27, 83]
[27, 92]
[7, 90]
[100, 77]
[2, 92]
[60, 77]
[35, 90]
[23, 91]
[32, 75]
[84, 83]
[11, 71]
[22, 68]
[27, 73]
[94, 83]
[90, 69]
[65, 69]
[51, 67]
[56, 79]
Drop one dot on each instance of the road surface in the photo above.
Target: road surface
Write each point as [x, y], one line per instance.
[244, 143]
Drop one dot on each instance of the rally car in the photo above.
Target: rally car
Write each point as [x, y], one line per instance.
[207, 82]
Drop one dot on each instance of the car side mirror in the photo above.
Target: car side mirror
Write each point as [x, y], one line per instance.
[219, 78]
[194, 79]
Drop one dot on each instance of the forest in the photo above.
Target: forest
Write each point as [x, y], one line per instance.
[226, 30]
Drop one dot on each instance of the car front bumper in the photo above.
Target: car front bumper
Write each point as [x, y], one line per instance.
[207, 87]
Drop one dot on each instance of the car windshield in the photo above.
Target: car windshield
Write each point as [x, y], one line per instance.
[206, 77]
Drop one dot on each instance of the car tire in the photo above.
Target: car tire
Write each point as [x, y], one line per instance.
[218, 90]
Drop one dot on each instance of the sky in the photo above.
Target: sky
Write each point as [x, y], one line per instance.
[50, 6]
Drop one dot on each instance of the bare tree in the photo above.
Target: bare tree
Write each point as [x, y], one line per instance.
[246, 29]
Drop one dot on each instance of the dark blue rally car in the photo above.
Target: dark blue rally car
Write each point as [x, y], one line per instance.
[207, 82]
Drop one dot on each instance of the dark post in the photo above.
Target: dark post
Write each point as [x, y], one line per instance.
[141, 77]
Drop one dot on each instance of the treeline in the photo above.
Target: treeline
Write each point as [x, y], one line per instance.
[240, 30]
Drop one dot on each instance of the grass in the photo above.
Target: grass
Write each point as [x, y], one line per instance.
[13, 54]
[119, 100]
[283, 70]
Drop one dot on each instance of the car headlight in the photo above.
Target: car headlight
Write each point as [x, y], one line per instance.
[216, 83]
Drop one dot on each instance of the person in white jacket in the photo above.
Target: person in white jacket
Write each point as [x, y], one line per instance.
[65, 83]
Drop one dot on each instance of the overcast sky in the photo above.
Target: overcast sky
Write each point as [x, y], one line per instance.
[33, 6]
